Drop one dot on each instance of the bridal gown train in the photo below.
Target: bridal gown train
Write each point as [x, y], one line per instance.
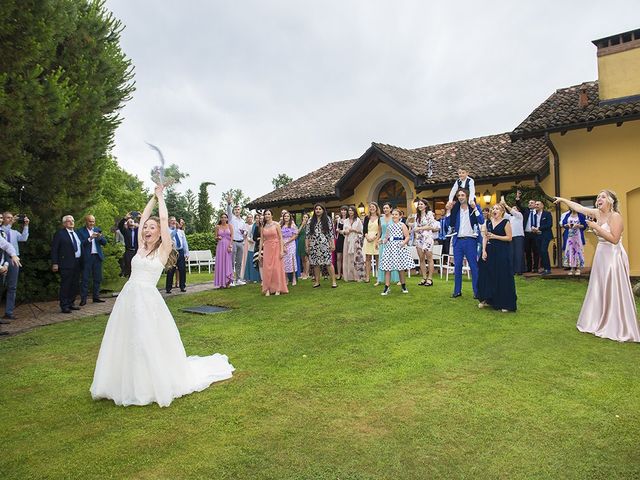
[142, 359]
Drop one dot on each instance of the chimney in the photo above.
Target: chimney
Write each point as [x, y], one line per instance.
[583, 99]
[618, 65]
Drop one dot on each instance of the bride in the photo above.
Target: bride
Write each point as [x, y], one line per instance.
[142, 359]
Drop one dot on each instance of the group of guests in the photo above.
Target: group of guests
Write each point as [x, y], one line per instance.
[10, 240]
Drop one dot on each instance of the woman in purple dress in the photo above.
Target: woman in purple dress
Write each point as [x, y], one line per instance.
[223, 270]
[609, 309]
[289, 235]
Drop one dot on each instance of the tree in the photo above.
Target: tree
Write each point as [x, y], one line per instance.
[192, 211]
[177, 204]
[63, 81]
[205, 209]
[237, 198]
[281, 180]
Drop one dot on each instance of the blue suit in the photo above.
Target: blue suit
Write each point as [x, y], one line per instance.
[467, 247]
[91, 263]
[544, 238]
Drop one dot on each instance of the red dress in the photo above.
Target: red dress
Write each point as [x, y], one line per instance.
[273, 277]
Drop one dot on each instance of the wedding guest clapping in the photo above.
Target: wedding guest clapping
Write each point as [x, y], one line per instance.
[609, 309]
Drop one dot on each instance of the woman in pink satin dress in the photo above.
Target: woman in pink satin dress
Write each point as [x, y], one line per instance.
[272, 253]
[609, 309]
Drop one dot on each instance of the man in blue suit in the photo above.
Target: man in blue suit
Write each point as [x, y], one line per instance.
[465, 242]
[65, 258]
[544, 234]
[92, 241]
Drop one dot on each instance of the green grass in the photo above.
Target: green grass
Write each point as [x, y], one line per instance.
[341, 384]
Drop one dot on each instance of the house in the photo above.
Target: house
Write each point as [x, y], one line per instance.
[578, 141]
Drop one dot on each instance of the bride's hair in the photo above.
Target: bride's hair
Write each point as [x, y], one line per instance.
[173, 256]
[612, 199]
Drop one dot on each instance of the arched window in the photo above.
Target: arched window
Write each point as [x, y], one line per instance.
[394, 193]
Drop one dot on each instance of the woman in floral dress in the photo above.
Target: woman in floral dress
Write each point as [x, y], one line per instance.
[320, 244]
[289, 235]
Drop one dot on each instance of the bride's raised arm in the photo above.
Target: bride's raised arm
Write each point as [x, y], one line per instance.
[165, 234]
[146, 213]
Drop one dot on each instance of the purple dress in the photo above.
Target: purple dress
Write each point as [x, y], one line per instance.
[290, 264]
[224, 269]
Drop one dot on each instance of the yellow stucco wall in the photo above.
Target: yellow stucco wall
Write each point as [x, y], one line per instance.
[606, 157]
[619, 74]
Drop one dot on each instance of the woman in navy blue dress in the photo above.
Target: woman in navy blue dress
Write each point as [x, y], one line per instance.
[496, 286]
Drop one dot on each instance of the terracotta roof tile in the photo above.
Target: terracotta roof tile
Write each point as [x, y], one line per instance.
[315, 185]
[492, 156]
[562, 111]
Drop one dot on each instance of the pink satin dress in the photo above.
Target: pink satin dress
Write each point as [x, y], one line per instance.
[609, 310]
[273, 277]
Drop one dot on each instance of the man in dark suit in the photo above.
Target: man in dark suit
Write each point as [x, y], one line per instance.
[531, 247]
[92, 241]
[129, 231]
[66, 252]
[544, 234]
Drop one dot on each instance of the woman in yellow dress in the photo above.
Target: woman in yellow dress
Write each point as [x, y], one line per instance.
[371, 233]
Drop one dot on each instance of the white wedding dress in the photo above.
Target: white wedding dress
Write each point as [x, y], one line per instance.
[142, 359]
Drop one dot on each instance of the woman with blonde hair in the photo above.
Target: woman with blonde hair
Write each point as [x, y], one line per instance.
[496, 286]
[609, 310]
[142, 359]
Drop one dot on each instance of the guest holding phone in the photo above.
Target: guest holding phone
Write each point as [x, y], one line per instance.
[574, 224]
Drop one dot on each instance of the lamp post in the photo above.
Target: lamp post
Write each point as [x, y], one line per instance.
[486, 196]
[361, 209]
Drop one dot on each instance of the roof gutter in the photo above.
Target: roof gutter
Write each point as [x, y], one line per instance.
[572, 126]
[556, 185]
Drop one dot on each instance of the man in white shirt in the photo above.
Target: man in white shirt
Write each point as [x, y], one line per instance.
[13, 237]
[182, 246]
[239, 231]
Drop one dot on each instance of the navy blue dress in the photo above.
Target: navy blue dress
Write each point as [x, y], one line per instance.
[496, 285]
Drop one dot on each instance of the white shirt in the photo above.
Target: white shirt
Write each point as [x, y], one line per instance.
[238, 224]
[184, 246]
[13, 236]
[93, 244]
[472, 189]
[515, 219]
[464, 224]
[72, 233]
[7, 247]
[527, 227]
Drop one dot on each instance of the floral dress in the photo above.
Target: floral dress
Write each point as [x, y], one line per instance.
[289, 260]
[573, 251]
[319, 244]
[423, 239]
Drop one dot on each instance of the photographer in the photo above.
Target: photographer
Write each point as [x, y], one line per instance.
[92, 241]
[13, 237]
[129, 230]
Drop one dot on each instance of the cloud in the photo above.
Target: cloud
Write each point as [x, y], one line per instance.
[237, 92]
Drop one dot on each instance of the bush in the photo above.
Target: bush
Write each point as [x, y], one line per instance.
[113, 252]
[202, 241]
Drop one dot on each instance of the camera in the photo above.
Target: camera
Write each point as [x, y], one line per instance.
[20, 217]
[135, 214]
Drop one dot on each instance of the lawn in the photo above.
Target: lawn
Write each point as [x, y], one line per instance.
[341, 384]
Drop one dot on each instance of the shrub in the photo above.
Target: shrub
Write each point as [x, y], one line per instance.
[202, 241]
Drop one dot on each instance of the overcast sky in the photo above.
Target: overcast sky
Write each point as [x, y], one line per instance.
[238, 91]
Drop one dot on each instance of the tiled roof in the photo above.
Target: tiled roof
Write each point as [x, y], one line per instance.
[493, 156]
[316, 185]
[562, 111]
